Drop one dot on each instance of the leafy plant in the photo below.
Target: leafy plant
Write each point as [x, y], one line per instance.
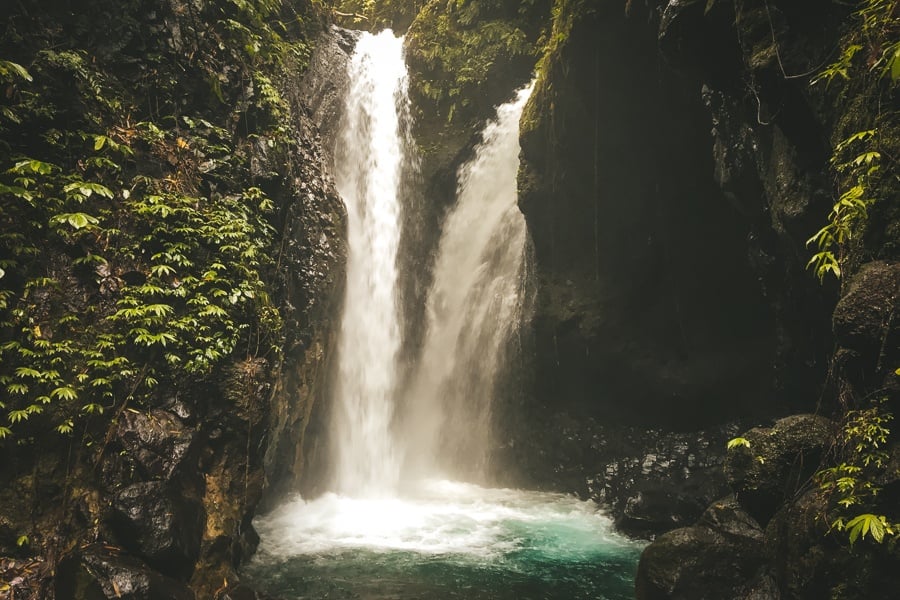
[857, 162]
[876, 526]
[457, 46]
[869, 61]
[737, 442]
[170, 265]
[852, 482]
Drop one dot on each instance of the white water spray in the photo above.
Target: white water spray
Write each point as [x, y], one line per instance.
[439, 538]
[369, 160]
[474, 305]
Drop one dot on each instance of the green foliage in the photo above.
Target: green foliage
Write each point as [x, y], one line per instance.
[875, 34]
[737, 442]
[9, 71]
[136, 249]
[457, 46]
[868, 66]
[375, 15]
[876, 526]
[851, 484]
[201, 288]
[857, 163]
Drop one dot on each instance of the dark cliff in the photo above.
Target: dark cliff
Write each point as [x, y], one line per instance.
[676, 159]
[172, 255]
[669, 225]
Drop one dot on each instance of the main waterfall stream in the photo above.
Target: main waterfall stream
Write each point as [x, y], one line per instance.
[397, 524]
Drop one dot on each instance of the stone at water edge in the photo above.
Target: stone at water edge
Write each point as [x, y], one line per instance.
[99, 572]
[778, 460]
[721, 557]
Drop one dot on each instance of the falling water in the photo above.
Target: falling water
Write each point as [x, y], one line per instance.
[431, 537]
[369, 160]
[474, 304]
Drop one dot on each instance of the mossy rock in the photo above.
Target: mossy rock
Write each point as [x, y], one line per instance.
[776, 461]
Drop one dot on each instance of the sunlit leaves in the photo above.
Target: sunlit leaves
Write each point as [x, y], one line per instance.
[737, 442]
[10, 70]
[875, 526]
[156, 281]
[78, 220]
[853, 482]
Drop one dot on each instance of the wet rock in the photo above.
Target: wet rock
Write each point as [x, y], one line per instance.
[241, 592]
[157, 441]
[778, 460]
[695, 34]
[735, 152]
[160, 525]
[864, 319]
[322, 89]
[653, 510]
[650, 480]
[811, 562]
[669, 485]
[713, 559]
[8, 534]
[796, 539]
[762, 587]
[98, 572]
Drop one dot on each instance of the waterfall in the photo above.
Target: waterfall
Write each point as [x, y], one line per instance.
[369, 161]
[473, 306]
[431, 537]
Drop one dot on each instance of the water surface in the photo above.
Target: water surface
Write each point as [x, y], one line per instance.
[443, 539]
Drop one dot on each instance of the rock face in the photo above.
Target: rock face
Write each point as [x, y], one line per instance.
[867, 326]
[159, 525]
[153, 498]
[651, 480]
[674, 164]
[773, 537]
[323, 87]
[667, 225]
[777, 461]
[713, 559]
[669, 202]
[98, 573]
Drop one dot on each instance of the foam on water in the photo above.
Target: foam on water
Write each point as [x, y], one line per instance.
[440, 517]
[443, 540]
[386, 530]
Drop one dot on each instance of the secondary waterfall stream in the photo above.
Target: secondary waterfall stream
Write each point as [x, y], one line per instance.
[474, 305]
[395, 524]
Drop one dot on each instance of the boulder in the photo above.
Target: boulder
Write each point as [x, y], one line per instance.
[810, 561]
[649, 511]
[864, 320]
[714, 559]
[158, 442]
[158, 525]
[99, 572]
[778, 460]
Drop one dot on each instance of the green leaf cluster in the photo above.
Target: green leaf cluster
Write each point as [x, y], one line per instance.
[738, 442]
[851, 484]
[864, 160]
[136, 243]
[457, 46]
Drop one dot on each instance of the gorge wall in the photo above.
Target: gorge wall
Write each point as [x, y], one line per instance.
[675, 163]
[668, 224]
[204, 195]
